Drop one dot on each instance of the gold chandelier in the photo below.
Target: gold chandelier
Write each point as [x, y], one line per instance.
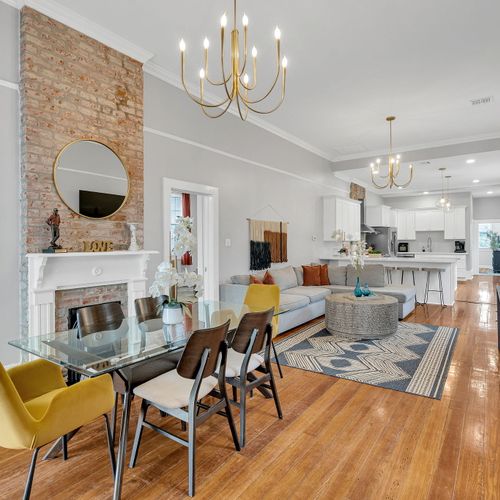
[393, 166]
[236, 85]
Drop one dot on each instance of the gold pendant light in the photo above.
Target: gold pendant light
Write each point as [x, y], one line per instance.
[236, 85]
[393, 167]
[444, 202]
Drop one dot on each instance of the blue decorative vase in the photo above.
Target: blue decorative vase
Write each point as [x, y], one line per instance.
[357, 290]
[366, 291]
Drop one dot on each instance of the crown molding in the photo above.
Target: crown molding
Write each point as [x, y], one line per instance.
[79, 23]
[221, 152]
[417, 147]
[349, 179]
[12, 3]
[167, 76]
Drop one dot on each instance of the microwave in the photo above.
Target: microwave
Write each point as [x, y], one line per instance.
[403, 247]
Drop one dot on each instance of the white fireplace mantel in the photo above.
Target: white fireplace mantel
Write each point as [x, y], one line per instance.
[49, 272]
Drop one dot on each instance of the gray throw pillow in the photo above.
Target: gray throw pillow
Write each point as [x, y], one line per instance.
[285, 277]
[299, 273]
[373, 274]
[337, 275]
[240, 279]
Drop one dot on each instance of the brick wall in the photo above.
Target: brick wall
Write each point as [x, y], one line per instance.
[73, 87]
[66, 299]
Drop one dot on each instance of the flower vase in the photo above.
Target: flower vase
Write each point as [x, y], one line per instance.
[172, 314]
[366, 291]
[358, 292]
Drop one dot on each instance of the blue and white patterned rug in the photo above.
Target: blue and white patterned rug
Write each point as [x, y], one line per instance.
[415, 359]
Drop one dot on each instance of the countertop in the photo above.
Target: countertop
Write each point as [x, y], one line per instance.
[418, 259]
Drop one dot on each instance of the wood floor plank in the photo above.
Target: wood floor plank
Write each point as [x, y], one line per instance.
[338, 440]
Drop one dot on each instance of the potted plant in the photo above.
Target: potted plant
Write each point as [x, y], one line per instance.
[357, 253]
[495, 247]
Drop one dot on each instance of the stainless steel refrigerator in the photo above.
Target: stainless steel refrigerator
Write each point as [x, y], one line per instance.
[384, 240]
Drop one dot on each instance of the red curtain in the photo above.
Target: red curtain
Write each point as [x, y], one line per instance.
[186, 259]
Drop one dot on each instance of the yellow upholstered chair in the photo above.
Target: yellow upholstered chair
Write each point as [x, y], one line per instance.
[36, 408]
[262, 298]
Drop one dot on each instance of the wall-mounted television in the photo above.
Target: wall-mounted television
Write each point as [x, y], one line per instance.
[94, 204]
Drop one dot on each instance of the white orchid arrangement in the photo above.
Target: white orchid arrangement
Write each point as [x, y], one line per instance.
[184, 239]
[357, 252]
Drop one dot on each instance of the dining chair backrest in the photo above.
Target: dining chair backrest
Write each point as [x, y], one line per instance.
[263, 297]
[149, 307]
[200, 340]
[99, 317]
[260, 321]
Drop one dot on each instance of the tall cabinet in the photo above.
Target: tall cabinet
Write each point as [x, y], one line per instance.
[341, 215]
[405, 224]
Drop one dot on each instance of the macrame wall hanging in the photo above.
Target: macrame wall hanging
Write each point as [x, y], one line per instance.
[268, 243]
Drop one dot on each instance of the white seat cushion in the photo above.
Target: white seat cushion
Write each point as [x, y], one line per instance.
[292, 302]
[313, 293]
[170, 390]
[235, 359]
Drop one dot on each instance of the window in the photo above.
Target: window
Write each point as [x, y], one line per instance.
[175, 212]
[484, 241]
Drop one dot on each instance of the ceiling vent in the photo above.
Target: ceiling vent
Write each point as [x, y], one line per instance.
[482, 100]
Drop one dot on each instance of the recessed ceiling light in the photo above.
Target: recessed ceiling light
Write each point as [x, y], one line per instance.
[489, 192]
[475, 181]
[425, 192]
[470, 160]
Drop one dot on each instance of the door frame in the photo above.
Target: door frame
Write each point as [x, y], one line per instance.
[475, 241]
[207, 229]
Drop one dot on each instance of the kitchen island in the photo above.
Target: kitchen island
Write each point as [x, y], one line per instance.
[408, 264]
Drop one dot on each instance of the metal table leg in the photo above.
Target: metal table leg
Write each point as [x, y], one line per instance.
[122, 444]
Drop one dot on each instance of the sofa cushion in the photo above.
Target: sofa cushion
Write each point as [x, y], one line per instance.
[291, 302]
[284, 277]
[312, 275]
[240, 279]
[337, 275]
[373, 274]
[313, 293]
[299, 273]
[339, 288]
[404, 293]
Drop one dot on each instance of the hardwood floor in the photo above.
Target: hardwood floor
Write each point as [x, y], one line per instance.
[339, 439]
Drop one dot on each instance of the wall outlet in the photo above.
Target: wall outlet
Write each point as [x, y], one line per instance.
[227, 243]
[314, 237]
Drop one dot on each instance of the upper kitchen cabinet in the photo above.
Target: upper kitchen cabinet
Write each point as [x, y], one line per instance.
[429, 220]
[405, 225]
[379, 216]
[454, 224]
[341, 215]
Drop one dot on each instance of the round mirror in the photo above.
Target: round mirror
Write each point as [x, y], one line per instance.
[91, 179]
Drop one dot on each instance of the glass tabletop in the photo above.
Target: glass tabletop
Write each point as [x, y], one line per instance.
[131, 342]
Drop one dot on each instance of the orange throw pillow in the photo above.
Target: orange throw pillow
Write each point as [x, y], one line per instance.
[254, 280]
[268, 279]
[323, 275]
[311, 275]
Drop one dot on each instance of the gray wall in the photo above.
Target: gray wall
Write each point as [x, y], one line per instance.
[244, 187]
[486, 208]
[9, 187]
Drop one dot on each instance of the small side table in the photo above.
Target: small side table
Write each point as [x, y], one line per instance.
[363, 318]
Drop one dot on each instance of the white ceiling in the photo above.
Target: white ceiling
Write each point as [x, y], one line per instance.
[427, 177]
[351, 63]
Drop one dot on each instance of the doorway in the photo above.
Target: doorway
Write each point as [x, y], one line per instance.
[205, 212]
[482, 253]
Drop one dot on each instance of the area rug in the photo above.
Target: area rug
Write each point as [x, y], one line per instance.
[415, 359]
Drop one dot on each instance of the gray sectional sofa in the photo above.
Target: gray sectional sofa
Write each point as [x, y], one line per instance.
[304, 303]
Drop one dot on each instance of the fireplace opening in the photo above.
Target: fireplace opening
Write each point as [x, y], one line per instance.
[72, 311]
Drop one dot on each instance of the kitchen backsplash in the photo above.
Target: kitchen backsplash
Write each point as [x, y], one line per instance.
[439, 244]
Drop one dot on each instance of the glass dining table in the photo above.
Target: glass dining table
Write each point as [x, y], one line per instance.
[129, 343]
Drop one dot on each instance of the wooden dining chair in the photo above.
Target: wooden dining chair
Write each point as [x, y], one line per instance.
[98, 317]
[179, 392]
[253, 335]
[148, 308]
[263, 297]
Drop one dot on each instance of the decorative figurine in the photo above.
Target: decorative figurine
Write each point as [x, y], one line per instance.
[133, 247]
[53, 222]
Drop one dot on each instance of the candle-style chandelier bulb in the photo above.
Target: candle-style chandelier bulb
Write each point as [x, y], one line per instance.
[238, 79]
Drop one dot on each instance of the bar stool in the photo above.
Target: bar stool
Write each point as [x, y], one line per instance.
[440, 290]
[388, 272]
[413, 269]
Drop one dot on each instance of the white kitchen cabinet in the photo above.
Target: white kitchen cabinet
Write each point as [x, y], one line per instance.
[454, 224]
[405, 225]
[341, 214]
[378, 216]
[429, 220]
